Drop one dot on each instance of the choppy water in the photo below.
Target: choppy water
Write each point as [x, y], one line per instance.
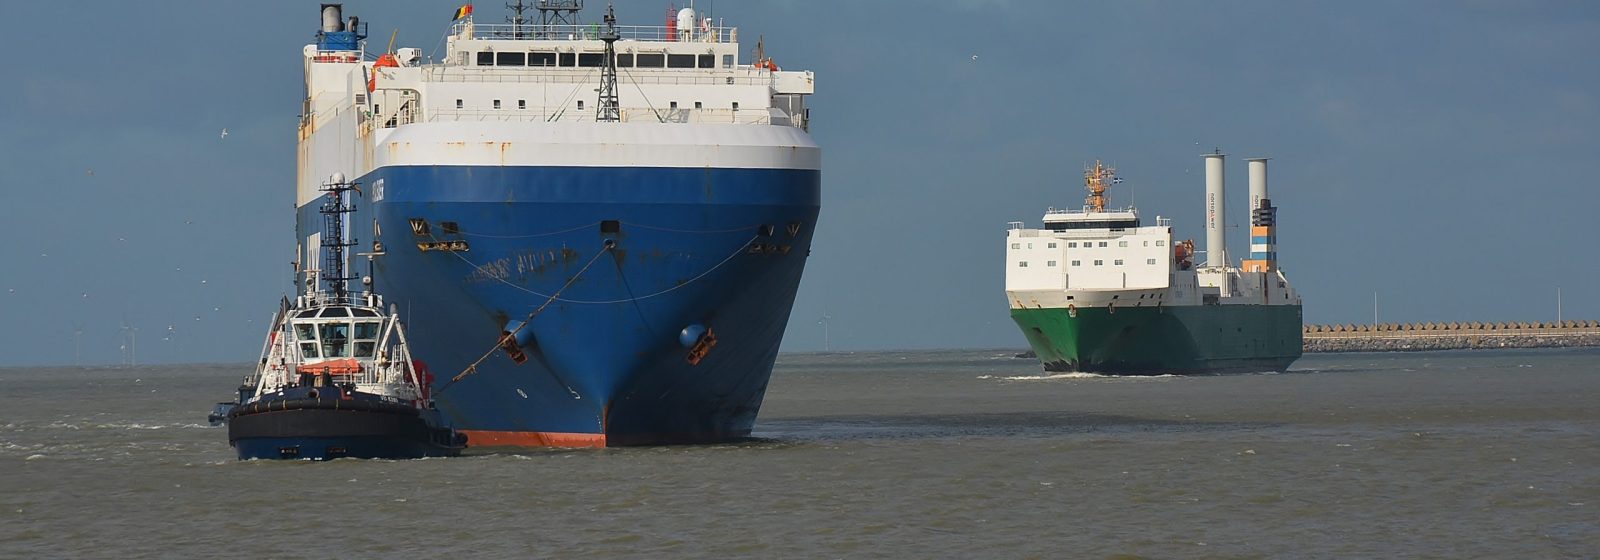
[964, 454]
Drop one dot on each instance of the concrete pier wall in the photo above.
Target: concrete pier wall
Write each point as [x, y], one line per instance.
[1394, 337]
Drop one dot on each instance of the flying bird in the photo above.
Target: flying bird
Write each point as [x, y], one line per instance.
[974, 58]
[224, 134]
[89, 172]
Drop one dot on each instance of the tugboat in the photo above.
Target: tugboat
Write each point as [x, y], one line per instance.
[336, 377]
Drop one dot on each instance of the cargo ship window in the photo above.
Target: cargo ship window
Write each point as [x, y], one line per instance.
[522, 104]
[1050, 263]
[1023, 264]
[591, 60]
[458, 103]
[651, 60]
[1122, 243]
[497, 103]
[1114, 225]
[1102, 244]
[680, 61]
[580, 104]
[1077, 263]
[708, 61]
[1117, 262]
[697, 104]
[567, 59]
[672, 105]
[1160, 242]
[485, 58]
[1052, 246]
[736, 105]
[624, 60]
[511, 59]
[1098, 262]
[1016, 245]
[1073, 245]
[1149, 261]
[541, 59]
[727, 61]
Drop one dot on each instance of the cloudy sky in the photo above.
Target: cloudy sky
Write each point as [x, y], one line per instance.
[1442, 155]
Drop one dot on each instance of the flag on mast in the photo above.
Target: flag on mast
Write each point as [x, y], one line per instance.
[463, 11]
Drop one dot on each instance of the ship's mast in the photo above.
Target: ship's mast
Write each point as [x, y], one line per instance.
[557, 13]
[334, 240]
[1096, 180]
[609, 111]
[517, 20]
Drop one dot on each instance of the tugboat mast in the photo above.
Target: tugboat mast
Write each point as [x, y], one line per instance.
[334, 240]
[609, 110]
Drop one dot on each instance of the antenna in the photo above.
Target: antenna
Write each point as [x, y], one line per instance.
[557, 13]
[1096, 180]
[517, 20]
[608, 109]
[335, 239]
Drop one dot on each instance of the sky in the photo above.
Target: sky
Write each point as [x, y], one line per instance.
[1439, 156]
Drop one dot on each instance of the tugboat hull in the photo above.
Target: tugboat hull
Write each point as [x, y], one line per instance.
[332, 429]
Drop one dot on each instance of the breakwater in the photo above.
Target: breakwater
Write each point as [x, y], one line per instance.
[1413, 337]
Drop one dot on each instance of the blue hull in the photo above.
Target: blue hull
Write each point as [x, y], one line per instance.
[718, 248]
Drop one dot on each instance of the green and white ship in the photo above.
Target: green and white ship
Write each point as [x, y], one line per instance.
[1097, 291]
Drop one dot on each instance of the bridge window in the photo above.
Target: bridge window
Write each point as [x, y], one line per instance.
[727, 61]
[511, 59]
[624, 60]
[541, 59]
[591, 60]
[335, 340]
[708, 61]
[651, 60]
[308, 350]
[567, 59]
[485, 58]
[680, 61]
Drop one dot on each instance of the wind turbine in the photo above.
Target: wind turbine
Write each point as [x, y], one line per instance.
[826, 347]
[77, 344]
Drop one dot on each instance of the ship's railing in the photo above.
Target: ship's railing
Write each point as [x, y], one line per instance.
[587, 114]
[626, 77]
[591, 32]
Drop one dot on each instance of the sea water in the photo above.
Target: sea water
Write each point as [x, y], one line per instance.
[958, 454]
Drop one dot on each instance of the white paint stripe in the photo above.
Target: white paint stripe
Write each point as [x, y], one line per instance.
[735, 146]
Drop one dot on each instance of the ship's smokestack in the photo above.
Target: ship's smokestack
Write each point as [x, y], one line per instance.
[332, 18]
[1263, 221]
[1216, 212]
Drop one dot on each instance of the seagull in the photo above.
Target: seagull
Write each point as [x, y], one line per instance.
[974, 58]
[89, 172]
[11, 290]
[224, 134]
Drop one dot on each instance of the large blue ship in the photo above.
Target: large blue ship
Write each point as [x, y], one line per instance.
[594, 232]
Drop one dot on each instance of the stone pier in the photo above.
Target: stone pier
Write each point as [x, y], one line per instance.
[1413, 337]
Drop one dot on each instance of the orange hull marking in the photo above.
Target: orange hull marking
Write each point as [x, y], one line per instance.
[485, 438]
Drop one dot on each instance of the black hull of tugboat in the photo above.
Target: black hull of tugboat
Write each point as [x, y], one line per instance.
[322, 429]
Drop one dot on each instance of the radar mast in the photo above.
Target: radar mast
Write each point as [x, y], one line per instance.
[608, 109]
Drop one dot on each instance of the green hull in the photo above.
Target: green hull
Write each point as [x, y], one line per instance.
[1164, 340]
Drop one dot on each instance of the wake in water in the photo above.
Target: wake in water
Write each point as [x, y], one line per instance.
[1071, 375]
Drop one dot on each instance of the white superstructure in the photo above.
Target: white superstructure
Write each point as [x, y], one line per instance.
[525, 94]
[1098, 256]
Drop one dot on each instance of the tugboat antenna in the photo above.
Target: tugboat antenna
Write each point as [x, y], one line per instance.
[608, 109]
[335, 241]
